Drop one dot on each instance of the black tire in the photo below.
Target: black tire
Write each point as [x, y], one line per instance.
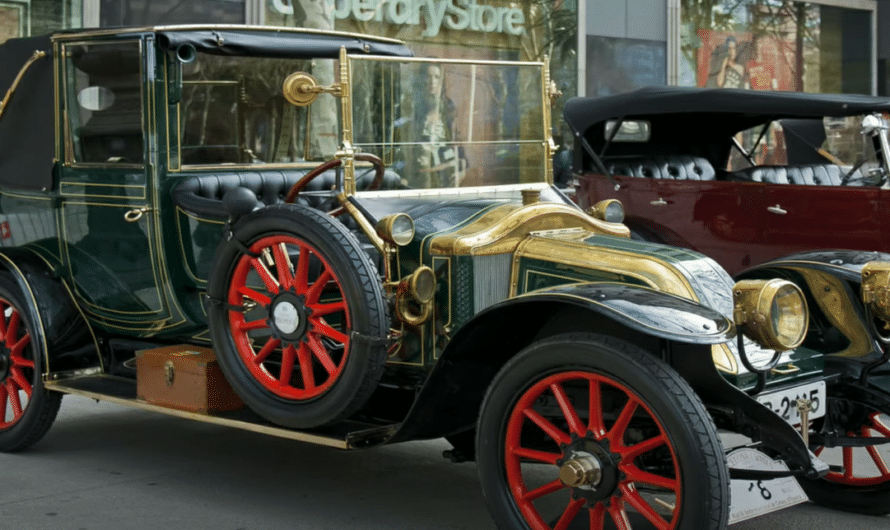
[304, 356]
[535, 425]
[867, 493]
[24, 419]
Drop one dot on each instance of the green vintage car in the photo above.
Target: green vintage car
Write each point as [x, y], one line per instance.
[372, 246]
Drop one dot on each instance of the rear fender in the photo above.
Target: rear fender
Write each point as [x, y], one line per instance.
[450, 398]
[63, 333]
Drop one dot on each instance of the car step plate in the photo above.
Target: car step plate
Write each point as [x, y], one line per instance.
[752, 498]
[784, 402]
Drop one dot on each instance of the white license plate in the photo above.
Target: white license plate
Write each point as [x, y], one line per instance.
[784, 402]
[752, 498]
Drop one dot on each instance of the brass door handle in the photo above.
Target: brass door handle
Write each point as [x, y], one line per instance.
[777, 209]
[131, 216]
[658, 202]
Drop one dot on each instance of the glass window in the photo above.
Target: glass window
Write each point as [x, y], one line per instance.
[233, 112]
[451, 124]
[776, 45]
[104, 103]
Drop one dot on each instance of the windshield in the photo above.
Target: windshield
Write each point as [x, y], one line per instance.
[451, 124]
[232, 111]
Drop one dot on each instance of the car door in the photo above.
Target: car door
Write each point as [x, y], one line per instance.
[108, 224]
[807, 217]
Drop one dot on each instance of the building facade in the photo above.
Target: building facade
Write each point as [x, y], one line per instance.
[596, 47]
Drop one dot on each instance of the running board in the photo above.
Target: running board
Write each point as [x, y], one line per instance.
[346, 435]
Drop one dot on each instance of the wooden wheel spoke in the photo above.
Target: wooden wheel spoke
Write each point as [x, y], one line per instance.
[3, 307]
[12, 327]
[20, 362]
[320, 310]
[551, 430]
[878, 460]
[301, 271]
[322, 328]
[287, 365]
[254, 295]
[14, 400]
[546, 489]
[879, 425]
[4, 402]
[321, 353]
[19, 346]
[537, 456]
[643, 447]
[635, 474]
[569, 514]
[568, 410]
[597, 517]
[314, 292]
[848, 462]
[283, 265]
[616, 434]
[252, 325]
[619, 514]
[306, 366]
[268, 348]
[21, 381]
[270, 282]
[633, 497]
[595, 422]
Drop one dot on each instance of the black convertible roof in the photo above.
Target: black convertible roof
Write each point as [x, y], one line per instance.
[745, 106]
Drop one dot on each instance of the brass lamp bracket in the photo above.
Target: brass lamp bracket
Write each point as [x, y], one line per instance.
[301, 89]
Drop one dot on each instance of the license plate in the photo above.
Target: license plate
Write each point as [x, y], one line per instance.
[752, 498]
[784, 402]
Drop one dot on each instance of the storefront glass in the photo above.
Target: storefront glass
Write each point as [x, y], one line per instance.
[456, 29]
[775, 45]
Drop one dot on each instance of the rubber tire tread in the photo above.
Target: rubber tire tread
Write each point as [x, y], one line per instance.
[663, 377]
[370, 303]
[43, 407]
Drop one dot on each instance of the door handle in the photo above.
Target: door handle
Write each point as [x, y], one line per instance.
[777, 209]
[658, 202]
[131, 216]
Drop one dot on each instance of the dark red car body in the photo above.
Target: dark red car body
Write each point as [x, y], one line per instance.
[680, 181]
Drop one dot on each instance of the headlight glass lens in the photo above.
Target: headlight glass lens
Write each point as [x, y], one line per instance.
[788, 315]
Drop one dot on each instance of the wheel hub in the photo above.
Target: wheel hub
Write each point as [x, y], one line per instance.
[289, 316]
[583, 469]
[590, 469]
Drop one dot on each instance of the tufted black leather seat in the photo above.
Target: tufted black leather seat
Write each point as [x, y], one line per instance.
[809, 174]
[202, 194]
[675, 167]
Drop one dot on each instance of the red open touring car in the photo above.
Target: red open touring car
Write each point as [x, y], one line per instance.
[742, 176]
[193, 219]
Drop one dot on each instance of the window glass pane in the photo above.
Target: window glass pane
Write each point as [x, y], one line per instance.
[776, 45]
[233, 112]
[104, 102]
[451, 124]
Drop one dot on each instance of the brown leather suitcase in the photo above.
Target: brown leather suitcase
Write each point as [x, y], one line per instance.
[184, 377]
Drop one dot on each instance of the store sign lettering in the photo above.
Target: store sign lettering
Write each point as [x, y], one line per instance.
[452, 14]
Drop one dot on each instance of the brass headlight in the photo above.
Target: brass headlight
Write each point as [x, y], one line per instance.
[876, 288]
[609, 210]
[397, 228]
[773, 313]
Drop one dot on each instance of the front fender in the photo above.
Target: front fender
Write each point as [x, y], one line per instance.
[450, 398]
[65, 335]
[648, 311]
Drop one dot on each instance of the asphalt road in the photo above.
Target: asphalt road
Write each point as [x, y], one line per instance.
[104, 466]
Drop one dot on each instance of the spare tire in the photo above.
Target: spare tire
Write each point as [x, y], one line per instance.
[297, 316]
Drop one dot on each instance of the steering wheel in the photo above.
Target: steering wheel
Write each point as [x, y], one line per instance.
[301, 184]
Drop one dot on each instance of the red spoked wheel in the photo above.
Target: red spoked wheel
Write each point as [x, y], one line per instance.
[600, 467]
[297, 316]
[594, 433]
[863, 466]
[16, 371]
[27, 410]
[863, 486]
[298, 344]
